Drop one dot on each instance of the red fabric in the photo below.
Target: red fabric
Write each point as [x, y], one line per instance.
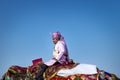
[36, 61]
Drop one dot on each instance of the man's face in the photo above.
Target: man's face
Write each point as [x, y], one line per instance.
[55, 41]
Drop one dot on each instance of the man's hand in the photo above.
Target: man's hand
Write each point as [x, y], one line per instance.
[54, 59]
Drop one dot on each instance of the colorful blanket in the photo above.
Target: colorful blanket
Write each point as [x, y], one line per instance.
[22, 73]
[52, 70]
[99, 76]
[30, 72]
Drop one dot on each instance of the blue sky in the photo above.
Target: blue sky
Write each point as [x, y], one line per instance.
[91, 29]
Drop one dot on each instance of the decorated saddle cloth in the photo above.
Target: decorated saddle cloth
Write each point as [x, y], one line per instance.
[17, 72]
[53, 70]
[76, 71]
[72, 71]
[69, 71]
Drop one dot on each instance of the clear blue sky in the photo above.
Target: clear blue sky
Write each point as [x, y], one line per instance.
[91, 29]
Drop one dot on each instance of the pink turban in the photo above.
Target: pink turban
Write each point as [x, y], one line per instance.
[57, 35]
